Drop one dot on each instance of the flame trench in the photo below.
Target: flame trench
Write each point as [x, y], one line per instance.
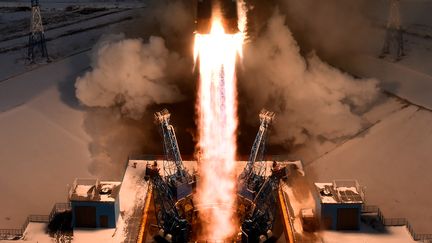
[217, 124]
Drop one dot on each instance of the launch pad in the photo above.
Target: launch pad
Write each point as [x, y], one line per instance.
[259, 213]
[281, 227]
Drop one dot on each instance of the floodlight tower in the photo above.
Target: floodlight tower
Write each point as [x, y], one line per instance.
[394, 33]
[36, 36]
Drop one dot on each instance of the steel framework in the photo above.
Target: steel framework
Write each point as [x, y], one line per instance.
[167, 214]
[252, 177]
[258, 224]
[173, 164]
[37, 35]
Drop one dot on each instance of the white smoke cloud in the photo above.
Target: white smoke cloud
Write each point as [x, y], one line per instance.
[130, 74]
[127, 77]
[312, 99]
[114, 138]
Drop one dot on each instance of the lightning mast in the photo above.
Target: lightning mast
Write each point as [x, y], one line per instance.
[253, 174]
[36, 36]
[394, 32]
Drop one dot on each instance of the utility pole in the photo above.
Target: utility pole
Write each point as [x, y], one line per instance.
[36, 36]
[394, 32]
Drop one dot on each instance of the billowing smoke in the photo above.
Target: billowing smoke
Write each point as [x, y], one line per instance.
[130, 74]
[130, 78]
[114, 138]
[312, 100]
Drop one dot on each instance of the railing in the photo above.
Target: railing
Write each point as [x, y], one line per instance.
[396, 222]
[85, 182]
[350, 183]
[186, 157]
[289, 229]
[370, 209]
[6, 234]
[59, 208]
[152, 157]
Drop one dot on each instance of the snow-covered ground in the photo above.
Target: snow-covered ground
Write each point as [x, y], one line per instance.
[392, 158]
[62, 4]
[43, 145]
[304, 199]
[132, 195]
[63, 41]
[411, 77]
[42, 142]
[397, 234]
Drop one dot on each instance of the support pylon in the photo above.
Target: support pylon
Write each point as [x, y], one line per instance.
[36, 36]
[394, 32]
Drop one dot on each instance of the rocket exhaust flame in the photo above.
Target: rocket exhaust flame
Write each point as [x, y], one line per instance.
[217, 124]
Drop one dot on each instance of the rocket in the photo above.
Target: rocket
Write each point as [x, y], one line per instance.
[206, 9]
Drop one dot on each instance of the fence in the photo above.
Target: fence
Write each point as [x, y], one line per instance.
[396, 222]
[6, 234]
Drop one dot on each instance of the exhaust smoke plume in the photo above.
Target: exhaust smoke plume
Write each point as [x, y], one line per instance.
[312, 100]
[127, 77]
[114, 138]
[129, 74]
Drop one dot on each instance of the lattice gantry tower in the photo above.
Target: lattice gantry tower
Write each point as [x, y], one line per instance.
[36, 37]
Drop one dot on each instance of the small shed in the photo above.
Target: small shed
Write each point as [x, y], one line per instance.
[340, 204]
[95, 204]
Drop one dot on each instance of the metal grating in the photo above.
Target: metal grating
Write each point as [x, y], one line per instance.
[349, 196]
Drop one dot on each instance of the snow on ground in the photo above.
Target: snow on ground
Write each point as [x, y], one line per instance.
[383, 108]
[34, 233]
[298, 201]
[411, 77]
[96, 236]
[61, 43]
[42, 142]
[393, 235]
[62, 4]
[398, 79]
[41, 103]
[132, 197]
[392, 159]
[41, 122]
